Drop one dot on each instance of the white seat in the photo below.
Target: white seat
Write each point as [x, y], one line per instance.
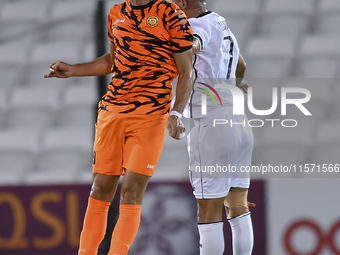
[78, 29]
[18, 149]
[328, 18]
[319, 57]
[335, 109]
[34, 108]
[33, 10]
[64, 152]
[269, 57]
[8, 77]
[250, 7]
[48, 52]
[89, 52]
[283, 145]
[289, 18]
[327, 143]
[14, 30]
[79, 105]
[3, 107]
[69, 9]
[67, 148]
[321, 97]
[13, 54]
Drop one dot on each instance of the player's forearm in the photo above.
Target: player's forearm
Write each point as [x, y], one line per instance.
[183, 90]
[100, 66]
[240, 70]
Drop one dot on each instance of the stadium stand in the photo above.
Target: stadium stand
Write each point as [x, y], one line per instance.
[319, 57]
[269, 57]
[64, 152]
[290, 18]
[328, 18]
[326, 144]
[279, 40]
[18, 154]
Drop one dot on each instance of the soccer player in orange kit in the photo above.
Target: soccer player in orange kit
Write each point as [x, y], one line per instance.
[150, 43]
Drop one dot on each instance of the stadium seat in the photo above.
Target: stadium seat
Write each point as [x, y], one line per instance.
[79, 105]
[78, 29]
[3, 107]
[89, 52]
[269, 57]
[8, 77]
[10, 60]
[328, 18]
[47, 52]
[240, 16]
[327, 143]
[335, 109]
[33, 107]
[283, 145]
[289, 18]
[19, 17]
[319, 57]
[33, 10]
[18, 149]
[62, 10]
[321, 97]
[64, 152]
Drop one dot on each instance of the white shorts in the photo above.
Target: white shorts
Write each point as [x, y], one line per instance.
[218, 154]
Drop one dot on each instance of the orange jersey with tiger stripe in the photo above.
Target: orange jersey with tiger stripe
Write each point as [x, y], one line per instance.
[146, 37]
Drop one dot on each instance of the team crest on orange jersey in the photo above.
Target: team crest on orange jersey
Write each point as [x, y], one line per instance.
[152, 21]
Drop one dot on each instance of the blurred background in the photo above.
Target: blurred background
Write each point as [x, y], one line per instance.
[47, 130]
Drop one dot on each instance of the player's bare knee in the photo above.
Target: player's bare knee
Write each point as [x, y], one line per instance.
[237, 210]
[104, 187]
[130, 197]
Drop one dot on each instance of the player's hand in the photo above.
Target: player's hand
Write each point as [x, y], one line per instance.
[175, 127]
[243, 86]
[59, 69]
[250, 204]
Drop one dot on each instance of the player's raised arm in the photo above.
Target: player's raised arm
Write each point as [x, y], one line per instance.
[97, 67]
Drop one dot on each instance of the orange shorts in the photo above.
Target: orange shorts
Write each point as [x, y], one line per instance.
[124, 141]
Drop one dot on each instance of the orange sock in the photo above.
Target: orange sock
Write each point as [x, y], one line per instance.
[125, 229]
[94, 226]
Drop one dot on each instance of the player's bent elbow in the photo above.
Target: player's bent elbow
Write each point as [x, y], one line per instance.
[242, 66]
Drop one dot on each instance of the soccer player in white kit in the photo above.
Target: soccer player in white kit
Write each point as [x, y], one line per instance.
[218, 151]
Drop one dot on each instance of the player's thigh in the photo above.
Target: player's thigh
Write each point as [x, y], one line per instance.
[237, 202]
[133, 187]
[144, 142]
[108, 144]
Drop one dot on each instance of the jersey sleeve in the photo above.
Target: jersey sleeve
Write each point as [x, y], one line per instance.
[109, 29]
[180, 31]
[201, 31]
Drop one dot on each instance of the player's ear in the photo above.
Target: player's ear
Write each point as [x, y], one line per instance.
[184, 4]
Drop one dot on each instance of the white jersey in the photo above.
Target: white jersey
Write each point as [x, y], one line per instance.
[215, 63]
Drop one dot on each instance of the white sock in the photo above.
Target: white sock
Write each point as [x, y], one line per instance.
[242, 234]
[211, 238]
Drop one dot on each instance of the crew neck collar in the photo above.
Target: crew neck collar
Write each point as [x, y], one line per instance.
[139, 7]
[203, 14]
